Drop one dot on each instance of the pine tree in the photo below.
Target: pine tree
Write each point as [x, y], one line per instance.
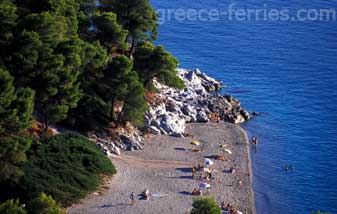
[108, 31]
[123, 86]
[135, 104]
[15, 116]
[50, 65]
[8, 21]
[138, 17]
[152, 61]
[15, 107]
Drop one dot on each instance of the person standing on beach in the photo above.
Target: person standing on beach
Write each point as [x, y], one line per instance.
[193, 172]
[132, 197]
[254, 143]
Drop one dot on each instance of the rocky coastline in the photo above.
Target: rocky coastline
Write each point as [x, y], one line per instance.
[171, 109]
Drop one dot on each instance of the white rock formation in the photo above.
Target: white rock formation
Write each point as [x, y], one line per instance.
[173, 108]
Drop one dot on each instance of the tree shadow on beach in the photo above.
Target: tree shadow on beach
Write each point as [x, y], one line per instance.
[184, 193]
[186, 170]
[113, 205]
[209, 156]
[179, 149]
[182, 177]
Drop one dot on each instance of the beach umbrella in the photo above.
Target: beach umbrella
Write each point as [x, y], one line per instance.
[228, 151]
[208, 162]
[195, 143]
[204, 185]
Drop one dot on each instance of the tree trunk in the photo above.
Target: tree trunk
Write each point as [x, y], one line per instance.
[132, 47]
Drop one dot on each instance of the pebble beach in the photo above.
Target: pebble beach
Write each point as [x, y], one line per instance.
[164, 167]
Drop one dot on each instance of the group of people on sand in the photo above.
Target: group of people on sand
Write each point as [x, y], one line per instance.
[199, 169]
[230, 209]
[145, 196]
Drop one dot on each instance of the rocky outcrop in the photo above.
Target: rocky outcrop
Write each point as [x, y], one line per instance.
[113, 141]
[173, 108]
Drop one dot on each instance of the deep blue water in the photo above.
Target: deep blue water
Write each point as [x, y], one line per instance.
[287, 69]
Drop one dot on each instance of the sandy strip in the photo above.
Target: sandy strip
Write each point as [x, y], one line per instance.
[164, 167]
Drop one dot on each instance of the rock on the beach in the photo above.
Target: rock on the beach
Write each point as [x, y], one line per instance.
[131, 143]
[173, 108]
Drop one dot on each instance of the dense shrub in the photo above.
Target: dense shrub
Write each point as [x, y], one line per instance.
[205, 206]
[11, 207]
[44, 204]
[67, 167]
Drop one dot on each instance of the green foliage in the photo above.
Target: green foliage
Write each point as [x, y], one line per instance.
[15, 115]
[205, 205]
[11, 207]
[92, 113]
[7, 96]
[117, 77]
[15, 107]
[138, 17]
[49, 64]
[68, 167]
[135, 104]
[152, 61]
[108, 31]
[44, 204]
[71, 60]
[125, 86]
[12, 154]
[8, 18]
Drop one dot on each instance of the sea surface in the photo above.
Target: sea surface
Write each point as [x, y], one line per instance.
[288, 71]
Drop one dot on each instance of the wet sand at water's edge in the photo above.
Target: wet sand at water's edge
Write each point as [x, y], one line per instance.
[164, 167]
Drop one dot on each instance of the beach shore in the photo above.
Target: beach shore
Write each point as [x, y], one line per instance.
[164, 168]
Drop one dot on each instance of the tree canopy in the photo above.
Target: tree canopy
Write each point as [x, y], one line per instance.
[74, 63]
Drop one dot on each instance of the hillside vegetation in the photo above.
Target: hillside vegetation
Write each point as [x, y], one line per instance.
[69, 62]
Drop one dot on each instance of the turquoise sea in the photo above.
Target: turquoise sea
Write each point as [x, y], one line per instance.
[285, 68]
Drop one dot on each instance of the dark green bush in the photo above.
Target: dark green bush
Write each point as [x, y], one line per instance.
[67, 167]
[44, 204]
[205, 206]
[11, 207]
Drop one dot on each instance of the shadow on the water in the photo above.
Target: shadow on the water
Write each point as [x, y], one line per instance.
[184, 193]
[179, 149]
[184, 169]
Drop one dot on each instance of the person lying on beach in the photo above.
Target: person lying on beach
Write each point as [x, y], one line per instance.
[232, 170]
[196, 149]
[196, 192]
[146, 194]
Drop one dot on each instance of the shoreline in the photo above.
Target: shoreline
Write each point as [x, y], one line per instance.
[163, 167]
[250, 169]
